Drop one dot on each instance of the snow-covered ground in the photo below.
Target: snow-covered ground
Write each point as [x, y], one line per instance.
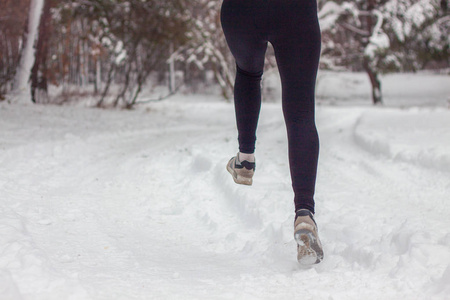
[399, 89]
[108, 204]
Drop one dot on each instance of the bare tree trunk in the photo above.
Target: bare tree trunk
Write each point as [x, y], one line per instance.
[84, 60]
[374, 81]
[39, 86]
[98, 75]
[373, 74]
[130, 104]
[125, 87]
[107, 85]
[27, 59]
[171, 71]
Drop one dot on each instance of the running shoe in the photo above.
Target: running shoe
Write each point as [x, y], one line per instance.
[306, 235]
[242, 171]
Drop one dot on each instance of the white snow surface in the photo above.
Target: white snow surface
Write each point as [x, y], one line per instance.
[107, 204]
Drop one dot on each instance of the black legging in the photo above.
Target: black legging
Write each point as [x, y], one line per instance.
[292, 27]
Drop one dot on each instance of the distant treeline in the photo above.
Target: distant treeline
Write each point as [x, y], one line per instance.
[105, 43]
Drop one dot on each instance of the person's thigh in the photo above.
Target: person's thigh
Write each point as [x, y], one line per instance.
[243, 23]
[296, 40]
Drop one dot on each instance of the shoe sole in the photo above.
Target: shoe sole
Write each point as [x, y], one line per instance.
[309, 250]
[238, 178]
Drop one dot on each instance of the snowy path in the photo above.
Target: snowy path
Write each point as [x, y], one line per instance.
[137, 205]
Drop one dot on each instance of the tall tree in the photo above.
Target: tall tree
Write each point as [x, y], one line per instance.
[22, 83]
[13, 20]
[207, 47]
[39, 85]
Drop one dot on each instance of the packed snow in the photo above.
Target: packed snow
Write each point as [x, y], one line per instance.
[118, 204]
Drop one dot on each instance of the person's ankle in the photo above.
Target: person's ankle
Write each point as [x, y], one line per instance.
[250, 157]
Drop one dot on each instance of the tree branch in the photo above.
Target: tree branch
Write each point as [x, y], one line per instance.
[170, 94]
[354, 29]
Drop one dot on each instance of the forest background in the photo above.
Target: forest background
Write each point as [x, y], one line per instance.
[59, 50]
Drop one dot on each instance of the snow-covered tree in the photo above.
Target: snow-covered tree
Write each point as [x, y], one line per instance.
[419, 33]
[126, 39]
[383, 35]
[207, 48]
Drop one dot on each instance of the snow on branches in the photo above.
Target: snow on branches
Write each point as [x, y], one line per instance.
[383, 35]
